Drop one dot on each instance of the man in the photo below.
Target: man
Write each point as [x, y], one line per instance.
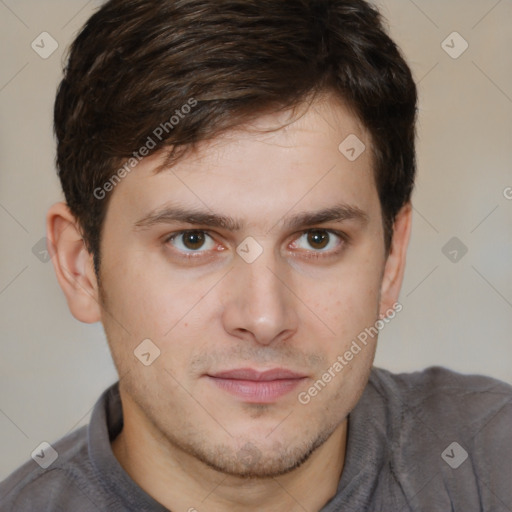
[238, 179]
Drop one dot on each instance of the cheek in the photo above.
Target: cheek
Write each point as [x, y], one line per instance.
[147, 297]
[142, 308]
[349, 299]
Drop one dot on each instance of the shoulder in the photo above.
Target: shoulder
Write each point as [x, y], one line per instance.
[450, 435]
[64, 481]
[475, 408]
[444, 392]
[437, 377]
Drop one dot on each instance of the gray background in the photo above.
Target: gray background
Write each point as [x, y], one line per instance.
[455, 313]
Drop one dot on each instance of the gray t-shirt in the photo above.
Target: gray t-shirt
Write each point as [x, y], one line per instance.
[427, 441]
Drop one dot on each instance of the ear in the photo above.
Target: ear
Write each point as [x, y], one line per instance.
[395, 263]
[73, 264]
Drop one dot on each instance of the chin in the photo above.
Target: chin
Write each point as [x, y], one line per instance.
[251, 461]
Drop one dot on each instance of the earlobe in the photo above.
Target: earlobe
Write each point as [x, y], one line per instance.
[395, 263]
[73, 264]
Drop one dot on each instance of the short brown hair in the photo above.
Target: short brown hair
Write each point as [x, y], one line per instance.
[137, 63]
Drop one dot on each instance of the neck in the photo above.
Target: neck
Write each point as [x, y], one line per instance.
[179, 481]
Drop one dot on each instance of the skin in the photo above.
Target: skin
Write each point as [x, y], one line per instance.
[184, 439]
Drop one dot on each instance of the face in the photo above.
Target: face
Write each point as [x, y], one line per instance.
[251, 304]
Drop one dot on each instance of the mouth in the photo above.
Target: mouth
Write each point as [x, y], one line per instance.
[253, 386]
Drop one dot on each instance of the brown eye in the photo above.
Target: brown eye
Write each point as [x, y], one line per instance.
[193, 239]
[318, 239]
[320, 243]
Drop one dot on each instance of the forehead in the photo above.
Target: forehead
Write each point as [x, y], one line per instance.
[317, 155]
[322, 125]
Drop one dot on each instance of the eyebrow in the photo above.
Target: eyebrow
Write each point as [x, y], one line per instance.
[172, 214]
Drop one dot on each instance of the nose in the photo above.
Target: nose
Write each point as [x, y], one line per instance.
[259, 304]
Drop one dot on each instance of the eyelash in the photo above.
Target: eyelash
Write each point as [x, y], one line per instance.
[311, 254]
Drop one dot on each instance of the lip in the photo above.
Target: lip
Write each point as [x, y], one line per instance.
[256, 386]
